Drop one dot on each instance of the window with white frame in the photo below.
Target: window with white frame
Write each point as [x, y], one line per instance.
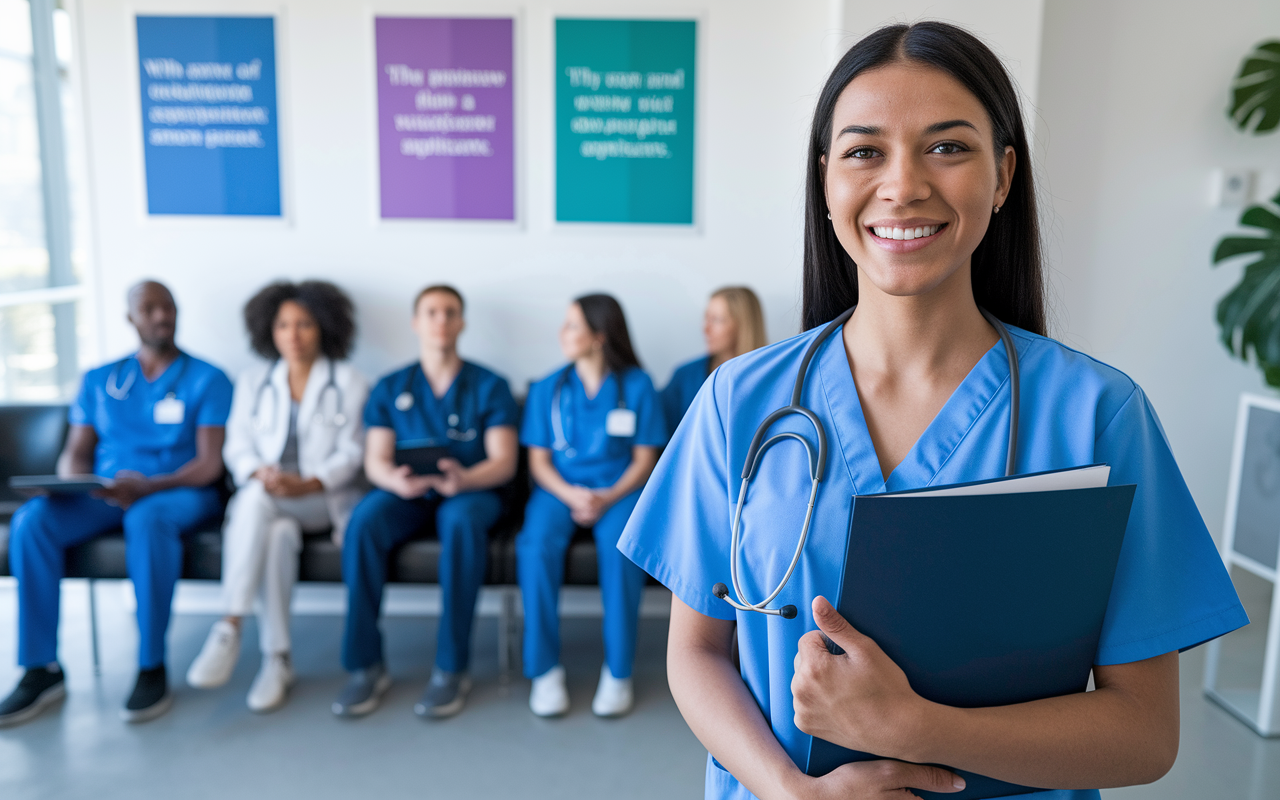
[42, 220]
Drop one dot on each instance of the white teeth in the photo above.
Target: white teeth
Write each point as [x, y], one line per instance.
[905, 234]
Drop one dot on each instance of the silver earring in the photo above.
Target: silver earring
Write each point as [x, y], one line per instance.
[828, 215]
[995, 210]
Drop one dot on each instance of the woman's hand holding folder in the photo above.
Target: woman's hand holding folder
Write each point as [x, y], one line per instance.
[861, 699]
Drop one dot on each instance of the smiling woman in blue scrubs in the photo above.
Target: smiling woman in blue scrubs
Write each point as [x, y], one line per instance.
[732, 325]
[154, 422]
[920, 209]
[593, 429]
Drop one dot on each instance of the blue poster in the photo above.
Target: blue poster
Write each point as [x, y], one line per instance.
[209, 121]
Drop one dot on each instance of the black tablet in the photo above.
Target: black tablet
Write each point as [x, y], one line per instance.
[54, 484]
[422, 457]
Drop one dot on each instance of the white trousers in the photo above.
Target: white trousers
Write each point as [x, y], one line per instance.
[260, 546]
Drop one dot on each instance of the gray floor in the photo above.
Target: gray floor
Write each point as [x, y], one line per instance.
[211, 746]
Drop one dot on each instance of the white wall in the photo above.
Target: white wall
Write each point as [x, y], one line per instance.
[1133, 98]
[760, 71]
[1126, 100]
[1011, 28]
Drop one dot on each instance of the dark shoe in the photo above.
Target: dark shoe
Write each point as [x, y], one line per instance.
[151, 696]
[363, 692]
[39, 688]
[445, 695]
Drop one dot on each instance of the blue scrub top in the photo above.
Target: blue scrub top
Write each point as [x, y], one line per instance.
[479, 397]
[1171, 590]
[593, 458]
[685, 383]
[129, 435]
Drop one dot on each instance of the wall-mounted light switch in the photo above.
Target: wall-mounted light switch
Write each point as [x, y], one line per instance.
[1231, 188]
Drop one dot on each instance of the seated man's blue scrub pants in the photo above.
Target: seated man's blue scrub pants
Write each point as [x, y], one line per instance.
[380, 522]
[42, 530]
[540, 552]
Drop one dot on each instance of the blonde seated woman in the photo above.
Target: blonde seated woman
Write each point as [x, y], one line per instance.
[733, 324]
[295, 446]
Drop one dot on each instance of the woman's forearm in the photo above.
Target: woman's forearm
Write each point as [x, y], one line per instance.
[721, 711]
[1117, 735]
[486, 475]
[546, 476]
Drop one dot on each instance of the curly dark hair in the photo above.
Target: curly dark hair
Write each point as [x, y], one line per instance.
[329, 305]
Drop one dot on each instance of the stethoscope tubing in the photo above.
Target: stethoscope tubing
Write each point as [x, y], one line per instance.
[559, 440]
[339, 418]
[817, 463]
[118, 392]
[405, 402]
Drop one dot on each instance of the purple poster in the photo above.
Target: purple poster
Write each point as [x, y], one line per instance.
[445, 118]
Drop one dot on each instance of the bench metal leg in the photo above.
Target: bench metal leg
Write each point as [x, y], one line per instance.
[508, 635]
[93, 629]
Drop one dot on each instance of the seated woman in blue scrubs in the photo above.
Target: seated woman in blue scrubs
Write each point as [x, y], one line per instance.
[732, 325]
[438, 400]
[920, 208]
[153, 422]
[593, 428]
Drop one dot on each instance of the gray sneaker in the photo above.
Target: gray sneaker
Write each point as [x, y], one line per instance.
[445, 695]
[363, 692]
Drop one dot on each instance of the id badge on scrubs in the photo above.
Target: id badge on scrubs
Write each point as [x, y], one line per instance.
[170, 411]
[620, 422]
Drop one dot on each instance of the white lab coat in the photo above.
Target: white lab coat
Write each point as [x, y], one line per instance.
[330, 431]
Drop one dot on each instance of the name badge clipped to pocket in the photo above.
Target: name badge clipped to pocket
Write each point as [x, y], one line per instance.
[620, 422]
[170, 411]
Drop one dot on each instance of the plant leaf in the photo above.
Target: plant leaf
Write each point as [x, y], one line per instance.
[1239, 245]
[1255, 96]
[1249, 314]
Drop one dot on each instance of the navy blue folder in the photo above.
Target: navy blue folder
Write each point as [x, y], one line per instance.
[983, 600]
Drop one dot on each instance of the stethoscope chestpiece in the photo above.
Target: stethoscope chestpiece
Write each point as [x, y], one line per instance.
[404, 401]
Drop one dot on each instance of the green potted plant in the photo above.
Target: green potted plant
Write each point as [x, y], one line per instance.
[1249, 315]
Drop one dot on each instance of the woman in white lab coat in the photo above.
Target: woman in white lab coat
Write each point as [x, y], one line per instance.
[295, 447]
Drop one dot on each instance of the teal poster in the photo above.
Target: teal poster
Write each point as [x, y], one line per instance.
[624, 120]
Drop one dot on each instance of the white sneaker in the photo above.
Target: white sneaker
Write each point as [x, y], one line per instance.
[613, 696]
[217, 659]
[271, 688]
[549, 697]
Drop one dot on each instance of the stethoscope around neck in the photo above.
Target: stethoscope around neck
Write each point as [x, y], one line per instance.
[818, 461]
[338, 419]
[121, 392]
[559, 440]
[405, 401]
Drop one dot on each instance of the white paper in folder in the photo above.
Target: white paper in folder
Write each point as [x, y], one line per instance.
[1090, 477]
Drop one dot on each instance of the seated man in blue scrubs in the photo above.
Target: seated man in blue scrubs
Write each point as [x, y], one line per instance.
[154, 423]
[437, 400]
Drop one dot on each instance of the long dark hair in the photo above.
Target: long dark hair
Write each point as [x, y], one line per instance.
[1007, 271]
[604, 316]
[327, 304]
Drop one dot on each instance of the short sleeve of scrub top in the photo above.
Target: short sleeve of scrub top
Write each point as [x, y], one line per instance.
[498, 405]
[535, 427]
[381, 403]
[81, 412]
[651, 423]
[1171, 591]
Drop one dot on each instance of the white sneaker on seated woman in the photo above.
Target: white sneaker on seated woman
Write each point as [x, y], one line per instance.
[295, 445]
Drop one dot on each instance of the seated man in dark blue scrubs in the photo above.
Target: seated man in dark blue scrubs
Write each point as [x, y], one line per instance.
[154, 423]
[438, 400]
